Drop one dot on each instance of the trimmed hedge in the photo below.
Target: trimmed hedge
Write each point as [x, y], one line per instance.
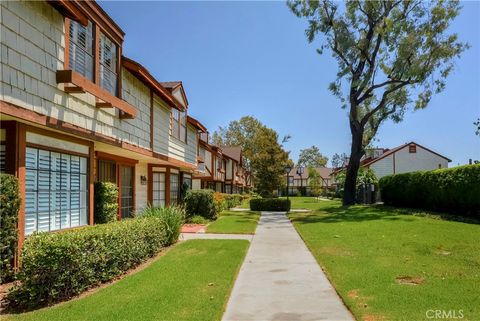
[454, 190]
[225, 201]
[270, 204]
[9, 206]
[58, 266]
[201, 202]
[106, 202]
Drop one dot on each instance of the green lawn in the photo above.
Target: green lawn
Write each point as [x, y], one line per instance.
[191, 282]
[364, 249]
[231, 222]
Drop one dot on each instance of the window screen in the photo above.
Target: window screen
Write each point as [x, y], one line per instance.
[81, 49]
[173, 188]
[56, 190]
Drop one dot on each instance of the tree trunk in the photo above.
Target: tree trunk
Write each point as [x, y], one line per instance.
[356, 153]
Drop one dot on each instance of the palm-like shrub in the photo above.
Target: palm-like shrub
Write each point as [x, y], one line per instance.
[172, 217]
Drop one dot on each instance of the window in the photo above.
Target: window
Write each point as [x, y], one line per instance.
[81, 49]
[107, 171]
[173, 188]
[3, 156]
[158, 189]
[439, 165]
[108, 64]
[228, 189]
[187, 179]
[126, 191]
[56, 190]
[178, 128]
[412, 148]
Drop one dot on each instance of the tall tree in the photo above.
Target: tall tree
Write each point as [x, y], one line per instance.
[339, 160]
[262, 151]
[391, 55]
[314, 181]
[311, 157]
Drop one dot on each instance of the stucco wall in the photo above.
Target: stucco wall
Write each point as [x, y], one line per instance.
[141, 192]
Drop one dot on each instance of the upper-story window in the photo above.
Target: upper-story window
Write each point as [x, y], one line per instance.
[108, 64]
[86, 50]
[81, 57]
[178, 128]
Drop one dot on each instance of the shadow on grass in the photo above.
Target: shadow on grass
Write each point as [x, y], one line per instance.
[360, 213]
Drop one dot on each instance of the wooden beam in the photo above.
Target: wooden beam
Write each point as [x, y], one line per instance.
[101, 104]
[74, 90]
[72, 77]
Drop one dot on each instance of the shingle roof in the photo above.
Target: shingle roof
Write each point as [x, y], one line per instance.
[171, 84]
[234, 152]
[323, 171]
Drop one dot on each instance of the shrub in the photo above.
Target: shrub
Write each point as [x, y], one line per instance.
[454, 190]
[9, 205]
[201, 202]
[219, 201]
[197, 219]
[106, 202]
[172, 217]
[57, 266]
[232, 200]
[270, 204]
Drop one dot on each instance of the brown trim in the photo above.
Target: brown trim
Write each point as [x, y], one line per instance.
[116, 158]
[70, 76]
[66, 59]
[151, 119]
[96, 55]
[144, 75]
[70, 10]
[53, 123]
[195, 123]
[21, 156]
[167, 186]
[100, 17]
[10, 145]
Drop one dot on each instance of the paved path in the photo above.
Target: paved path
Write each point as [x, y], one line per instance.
[212, 236]
[280, 279]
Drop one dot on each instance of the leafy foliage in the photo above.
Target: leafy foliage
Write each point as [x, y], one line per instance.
[311, 157]
[106, 202]
[172, 217]
[366, 176]
[58, 266]
[339, 160]
[314, 181]
[391, 55]
[9, 206]
[477, 127]
[455, 190]
[270, 204]
[263, 153]
[202, 203]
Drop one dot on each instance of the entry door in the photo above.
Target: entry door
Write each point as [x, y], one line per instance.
[126, 191]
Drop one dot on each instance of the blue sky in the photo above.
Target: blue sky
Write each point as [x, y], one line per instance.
[252, 58]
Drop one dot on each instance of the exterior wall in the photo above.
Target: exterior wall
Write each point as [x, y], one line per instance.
[229, 171]
[196, 184]
[33, 49]
[421, 160]
[161, 126]
[191, 147]
[383, 167]
[141, 191]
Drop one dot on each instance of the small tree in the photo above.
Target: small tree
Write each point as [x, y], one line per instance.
[390, 54]
[339, 160]
[314, 181]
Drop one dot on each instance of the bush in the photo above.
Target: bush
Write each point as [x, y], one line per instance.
[200, 202]
[9, 206]
[57, 266]
[197, 219]
[106, 202]
[232, 200]
[270, 204]
[454, 190]
[172, 217]
[219, 201]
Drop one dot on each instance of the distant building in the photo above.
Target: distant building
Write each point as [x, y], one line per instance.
[409, 157]
[298, 182]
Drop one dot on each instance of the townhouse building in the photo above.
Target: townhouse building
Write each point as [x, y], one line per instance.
[74, 110]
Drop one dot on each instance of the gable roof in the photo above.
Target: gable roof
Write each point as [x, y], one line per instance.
[195, 123]
[174, 86]
[396, 149]
[234, 152]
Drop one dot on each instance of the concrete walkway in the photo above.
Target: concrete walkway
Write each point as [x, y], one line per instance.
[280, 279]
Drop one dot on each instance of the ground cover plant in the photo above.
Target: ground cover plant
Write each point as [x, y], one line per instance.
[390, 266]
[191, 282]
[235, 222]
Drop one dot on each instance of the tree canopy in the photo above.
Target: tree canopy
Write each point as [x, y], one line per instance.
[311, 157]
[262, 151]
[391, 55]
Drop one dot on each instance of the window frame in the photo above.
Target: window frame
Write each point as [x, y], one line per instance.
[177, 132]
[98, 29]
